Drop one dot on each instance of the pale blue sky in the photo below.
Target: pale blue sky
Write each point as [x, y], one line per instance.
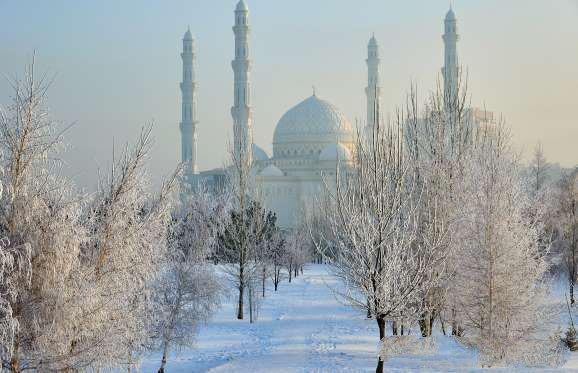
[118, 65]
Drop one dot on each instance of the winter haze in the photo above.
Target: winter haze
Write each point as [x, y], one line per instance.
[118, 66]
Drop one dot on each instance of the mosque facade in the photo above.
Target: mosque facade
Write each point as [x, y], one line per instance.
[311, 139]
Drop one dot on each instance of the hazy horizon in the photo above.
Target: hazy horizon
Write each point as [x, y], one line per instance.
[118, 66]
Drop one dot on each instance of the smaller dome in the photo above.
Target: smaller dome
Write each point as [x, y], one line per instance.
[334, 152]
[271, 170]
[242, 7]
[258, 153]
[450, 16]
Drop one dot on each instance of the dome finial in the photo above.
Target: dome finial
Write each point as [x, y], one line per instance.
[313, 90]
[188, 35]
[242, 7]
[450, 15]
[372, 40]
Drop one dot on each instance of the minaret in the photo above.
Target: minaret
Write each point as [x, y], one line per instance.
[373, 89]
[241, 111]
[450, 70]
[189, 108]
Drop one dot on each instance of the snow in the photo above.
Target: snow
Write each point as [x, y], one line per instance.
[303, 328]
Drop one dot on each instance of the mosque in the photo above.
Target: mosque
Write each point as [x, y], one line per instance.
[310, 140]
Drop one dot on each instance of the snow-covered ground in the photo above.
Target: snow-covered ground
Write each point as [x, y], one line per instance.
[303, 328]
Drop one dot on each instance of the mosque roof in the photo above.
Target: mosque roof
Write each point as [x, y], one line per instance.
[312, 118]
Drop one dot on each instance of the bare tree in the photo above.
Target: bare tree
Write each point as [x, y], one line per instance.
[37, 209]
[91, 258]
[234, 245]
[15, 269]
[188, 291]
[127, 244]
[243, 239]
[373, 244]
[539, 168]
[498, 284]
[278, 245]
[297, 250]
[266, 241]
[438, 138]
[567, 218]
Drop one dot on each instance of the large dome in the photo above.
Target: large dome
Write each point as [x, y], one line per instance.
[308, 127]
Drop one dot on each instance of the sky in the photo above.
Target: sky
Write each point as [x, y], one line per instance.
[118, 66]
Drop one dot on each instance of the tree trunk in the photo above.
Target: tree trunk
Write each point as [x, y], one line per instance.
[264, 277]
[572, 274]
[426, 324]
[290, 271]
[276, 277]
[456, 330]
[164, 359]
[381, 324]
[368, 308]
[15, 360]
[251, 303]
[240, 306]
[571, 289]
[443, 326]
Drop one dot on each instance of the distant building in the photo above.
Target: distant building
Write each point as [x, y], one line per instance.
[311, 139]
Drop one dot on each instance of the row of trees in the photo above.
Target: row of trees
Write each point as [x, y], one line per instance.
[97, 280]
[77, 268]
[251, 246]
[435, 225]
[555, 199]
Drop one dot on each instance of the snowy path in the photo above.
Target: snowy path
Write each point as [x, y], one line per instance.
[303, 328]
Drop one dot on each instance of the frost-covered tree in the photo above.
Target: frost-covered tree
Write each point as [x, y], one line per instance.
[539, 168]
[567, 222]
[81, 303]
[297, 251]
[14, 273]
[15, 265]
[37, 210]
[234, 242]
[127, 242]
[498, 286]
[277, 251]
[543, 206]
[266, 242]
[438, 138]
[373, 244]
[188, 290]
[243, 238]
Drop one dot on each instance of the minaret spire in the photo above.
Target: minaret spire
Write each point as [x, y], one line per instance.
[241, 111]
[189, 121]
[373, 89]
[450, 70]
